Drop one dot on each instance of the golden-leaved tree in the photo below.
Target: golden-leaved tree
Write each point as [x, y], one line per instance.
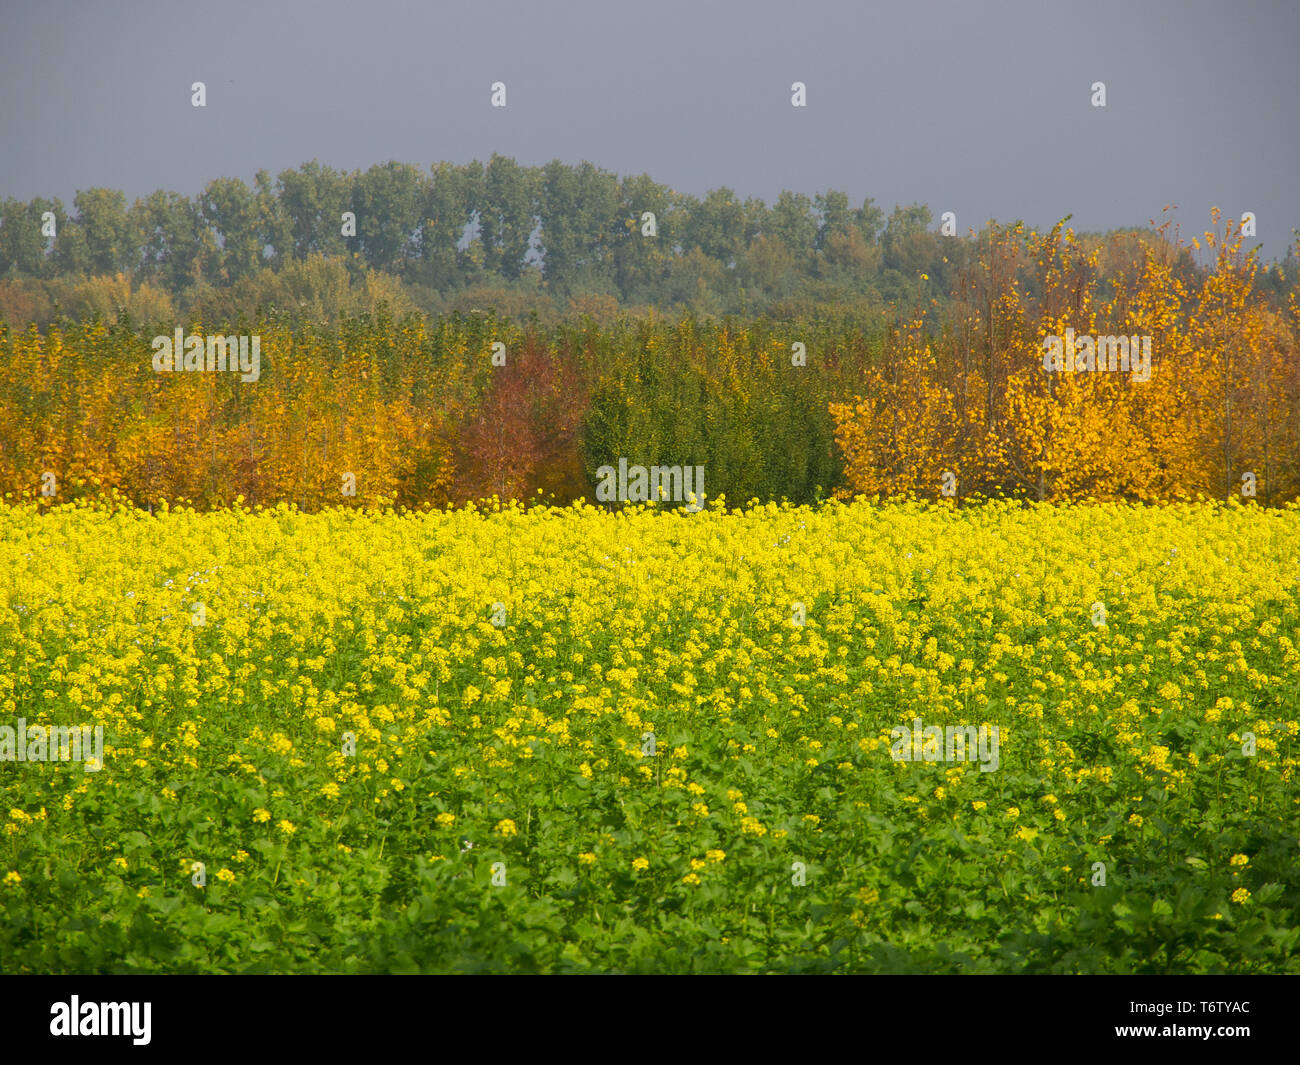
[1218, 408]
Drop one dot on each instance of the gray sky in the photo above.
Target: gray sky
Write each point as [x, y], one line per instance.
[980, 108]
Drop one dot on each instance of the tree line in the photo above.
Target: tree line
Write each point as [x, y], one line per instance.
[950, 399]
[546, 240]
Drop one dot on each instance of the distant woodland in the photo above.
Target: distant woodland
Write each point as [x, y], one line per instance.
[506, 331]
[548, 241]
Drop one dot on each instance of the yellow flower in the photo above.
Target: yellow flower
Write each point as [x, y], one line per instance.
[690, 878]
[698, 863]
[715, 855]
[286, 827]
[506, 828]
[1135, 820]
[640, 864]
[13, 879]
[330, 790]
[260, 815]
[1013, 812]
[587, 858]
[1238, 859]
[445, 820]
[1240, 895]
[226, 875]
[979, 804]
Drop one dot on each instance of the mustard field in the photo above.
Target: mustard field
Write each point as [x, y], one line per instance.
[581, 740]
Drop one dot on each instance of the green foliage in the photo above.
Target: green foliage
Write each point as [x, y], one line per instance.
[576, 229]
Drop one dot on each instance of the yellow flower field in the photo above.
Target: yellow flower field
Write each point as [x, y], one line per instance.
[584, 740]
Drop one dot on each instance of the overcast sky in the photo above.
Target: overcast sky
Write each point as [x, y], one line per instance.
[975, 107]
